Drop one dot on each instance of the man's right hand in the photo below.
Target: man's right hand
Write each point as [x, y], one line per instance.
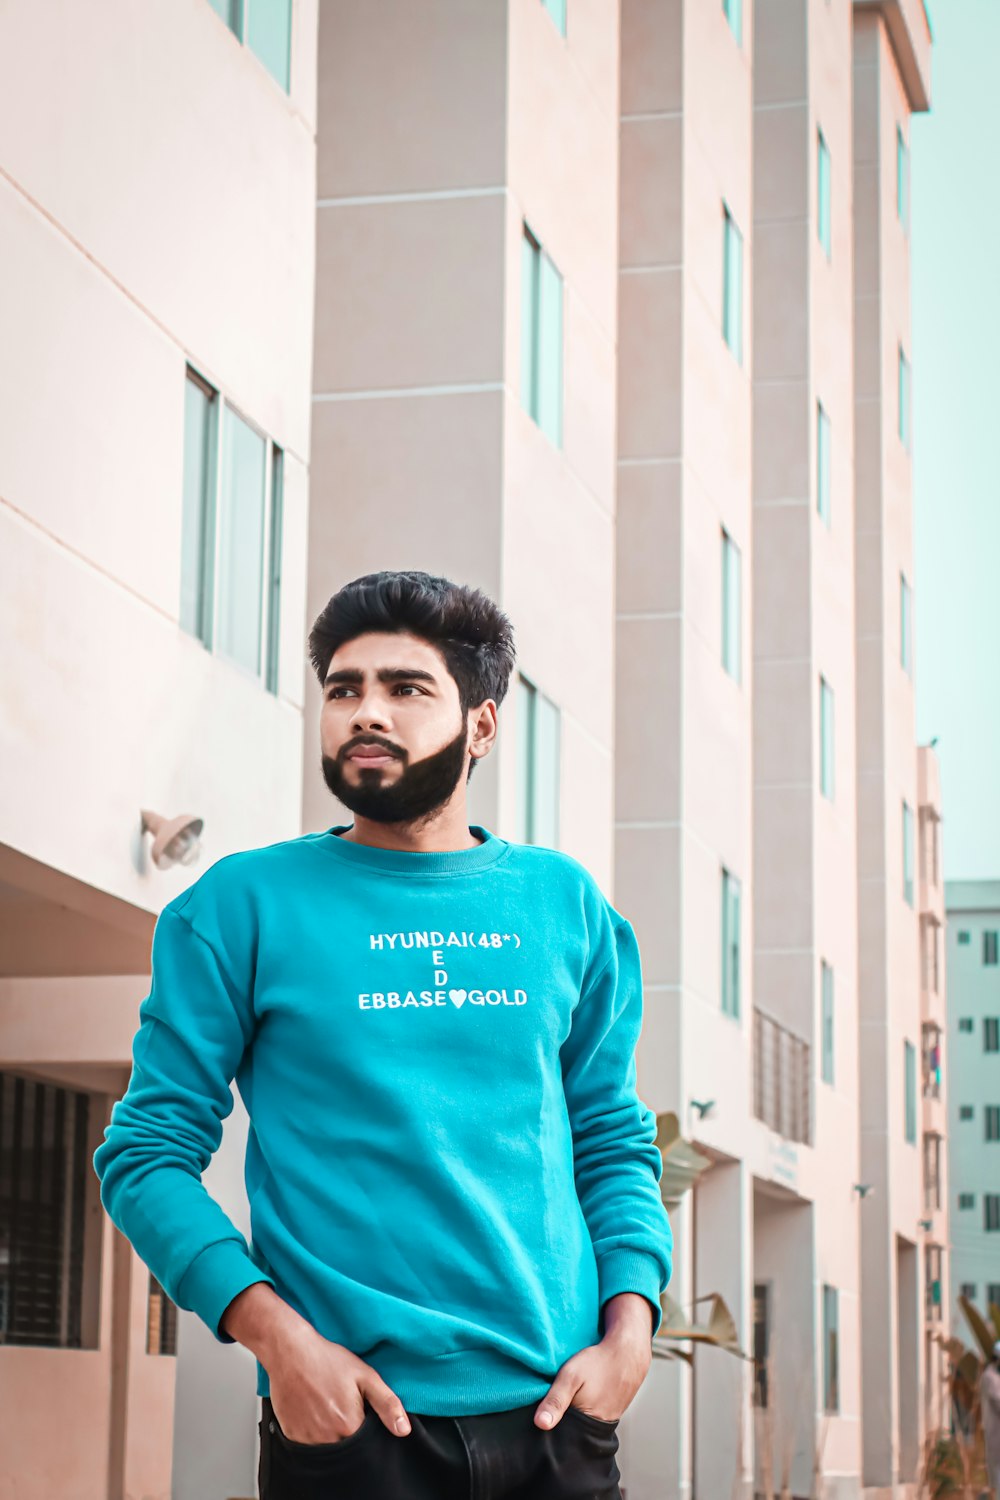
[318, 1388]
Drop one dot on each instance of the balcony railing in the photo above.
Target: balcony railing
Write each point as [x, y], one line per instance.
[782, 1079]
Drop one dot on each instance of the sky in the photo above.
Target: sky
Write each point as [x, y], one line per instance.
[955, 176]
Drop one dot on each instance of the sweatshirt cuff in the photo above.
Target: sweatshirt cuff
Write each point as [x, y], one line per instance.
[216, 1275]
[630, 1271]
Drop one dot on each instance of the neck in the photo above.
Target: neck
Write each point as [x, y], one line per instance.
[440, 833]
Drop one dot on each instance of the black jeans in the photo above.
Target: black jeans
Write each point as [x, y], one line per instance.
[500, 1455]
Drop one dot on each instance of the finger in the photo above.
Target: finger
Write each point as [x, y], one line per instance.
[385, 1401]
[551, 1408]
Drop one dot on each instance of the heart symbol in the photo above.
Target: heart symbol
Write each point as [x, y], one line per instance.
[457, 997]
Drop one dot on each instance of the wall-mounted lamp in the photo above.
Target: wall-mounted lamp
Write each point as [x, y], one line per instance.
[926, 1225]
[705, 1107]
[863, 1189]
[176, 841]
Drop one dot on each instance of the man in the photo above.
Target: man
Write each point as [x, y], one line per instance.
[458, 1240]
[989, 1395]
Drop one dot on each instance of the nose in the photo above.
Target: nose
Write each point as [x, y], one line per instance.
[369, 714]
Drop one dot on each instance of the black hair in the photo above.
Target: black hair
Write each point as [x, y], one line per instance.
[472, 633]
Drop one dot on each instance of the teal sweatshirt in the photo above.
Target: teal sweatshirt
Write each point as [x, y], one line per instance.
[448, 1168]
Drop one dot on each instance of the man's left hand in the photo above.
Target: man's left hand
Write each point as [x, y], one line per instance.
[603, 1378]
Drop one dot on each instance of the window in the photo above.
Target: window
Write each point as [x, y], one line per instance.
[541, 338]
[733, 11]
[557, 10]
[731, 606]
[826, 743]
[266, 28]
[966, 1112]
[965, 1023]
[45, 1172]
[910, 1079]
[201, 421]
[993, 1293]
[902, 180]
[538, 767]
[730, 944]
[761, 1340]
[991, 1212]
[831, 1352]
[904, 399]
[968, 1290]
[991, 1120]
[823, 192]
[989, 947]
[732, 284]
[161, 1320]
[966, 1200]
[991, 1034]
[826, 1000]
[964, 938]
[822, 463]
[906, 625]
[231, 541]
[907, 854]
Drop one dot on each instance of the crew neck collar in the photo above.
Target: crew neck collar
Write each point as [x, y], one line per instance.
[413, 862]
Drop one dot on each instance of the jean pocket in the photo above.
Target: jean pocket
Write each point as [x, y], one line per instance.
[337, 1444]
[605, 1425]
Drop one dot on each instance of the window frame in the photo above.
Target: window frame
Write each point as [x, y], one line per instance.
[824, 466]
[831, 1349]
[824, 194]
[827, 1033]
[731, 923]
[732, 276]
[207, 612]
[909, 1092]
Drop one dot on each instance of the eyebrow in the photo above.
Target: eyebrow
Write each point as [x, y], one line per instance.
[354, 676]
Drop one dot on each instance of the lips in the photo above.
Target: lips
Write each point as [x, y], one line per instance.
[372, 756]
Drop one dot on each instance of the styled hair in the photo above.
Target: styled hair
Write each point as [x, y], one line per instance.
[472, 633]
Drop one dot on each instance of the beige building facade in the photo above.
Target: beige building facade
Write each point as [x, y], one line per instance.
[598, 308]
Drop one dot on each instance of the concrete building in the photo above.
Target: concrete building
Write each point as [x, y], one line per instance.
[605, 318]
[157, 208]
[973, 967]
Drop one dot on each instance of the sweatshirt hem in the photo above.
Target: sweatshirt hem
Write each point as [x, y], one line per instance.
[461, 1384]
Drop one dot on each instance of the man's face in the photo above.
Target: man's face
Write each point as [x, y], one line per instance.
[394, 742]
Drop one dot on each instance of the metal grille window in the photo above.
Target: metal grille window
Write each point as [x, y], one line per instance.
[966, 1112]
[965, 1023]
[991, 1034]
[968, 1289]
[991, 1212]
[161, 1322]
[966, 1200]
[991, 1121]
[993, 1294]
[932, 1172]
[782, 1079]
[43, 1176]
[964, 939]
[990, 947]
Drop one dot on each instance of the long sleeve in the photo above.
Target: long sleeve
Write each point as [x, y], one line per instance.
[195, 1025]
[617, 1163]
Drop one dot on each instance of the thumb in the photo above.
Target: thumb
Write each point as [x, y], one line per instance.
[552, 1406]
[385, 1401]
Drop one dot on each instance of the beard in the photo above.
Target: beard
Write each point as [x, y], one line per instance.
[418, 790]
